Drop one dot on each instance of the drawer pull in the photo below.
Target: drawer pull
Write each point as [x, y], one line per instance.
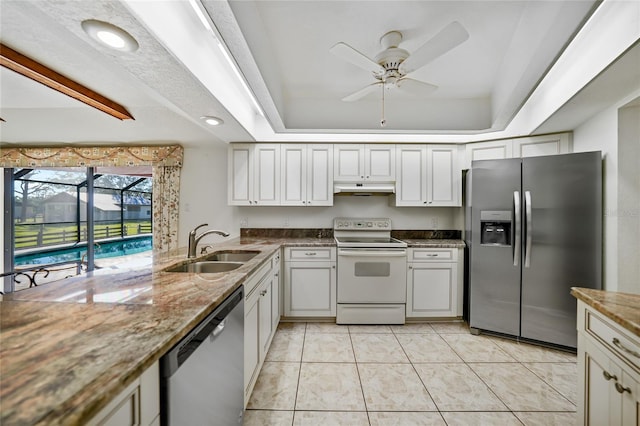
[263, 292]
[432, 255]
[620, 346]
[310, 253]
[608, 376]
[622, 389]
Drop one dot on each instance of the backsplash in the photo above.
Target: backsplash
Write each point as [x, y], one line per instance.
[286, 232]
[436, 234]
[439, 234]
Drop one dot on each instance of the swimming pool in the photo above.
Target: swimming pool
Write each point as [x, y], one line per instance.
[102, 250]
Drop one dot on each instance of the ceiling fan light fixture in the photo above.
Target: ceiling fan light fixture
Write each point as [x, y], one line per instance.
[110, 35]
[211, 120]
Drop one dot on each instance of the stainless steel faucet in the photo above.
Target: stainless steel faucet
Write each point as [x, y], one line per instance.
[193, 240]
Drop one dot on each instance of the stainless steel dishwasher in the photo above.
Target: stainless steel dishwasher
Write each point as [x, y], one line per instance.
[202, 375]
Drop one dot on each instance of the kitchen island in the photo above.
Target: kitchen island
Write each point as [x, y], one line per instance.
[608, 357]
[69, 347]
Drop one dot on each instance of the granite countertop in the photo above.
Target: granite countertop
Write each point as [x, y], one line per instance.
[623, 308]
[67, 348]
[434, 243]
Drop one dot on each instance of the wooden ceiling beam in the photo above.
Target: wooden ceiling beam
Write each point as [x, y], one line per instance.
[21, 64]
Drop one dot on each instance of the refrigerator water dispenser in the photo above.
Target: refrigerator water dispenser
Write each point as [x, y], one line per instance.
[495, 228]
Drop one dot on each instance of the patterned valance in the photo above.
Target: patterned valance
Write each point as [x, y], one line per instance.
[92, 156]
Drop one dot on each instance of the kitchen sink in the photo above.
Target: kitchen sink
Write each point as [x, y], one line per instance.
[232, 256]
[205, 267]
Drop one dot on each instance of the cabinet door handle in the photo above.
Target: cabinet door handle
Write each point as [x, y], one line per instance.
[276, 274]
[263, 292]
[608, 376]
[622, 389]
[620, 346]
[410, 267]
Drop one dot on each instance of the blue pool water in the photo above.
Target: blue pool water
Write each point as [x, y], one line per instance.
[102, 250]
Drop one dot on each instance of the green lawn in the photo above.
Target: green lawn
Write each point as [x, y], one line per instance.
[26, 235]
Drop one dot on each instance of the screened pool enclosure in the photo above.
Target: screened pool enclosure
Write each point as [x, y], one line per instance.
[65, 218]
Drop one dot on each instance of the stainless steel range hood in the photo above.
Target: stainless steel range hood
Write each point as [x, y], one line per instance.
[363, 188]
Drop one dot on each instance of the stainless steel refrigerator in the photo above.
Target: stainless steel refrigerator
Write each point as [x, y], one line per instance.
[535, 231]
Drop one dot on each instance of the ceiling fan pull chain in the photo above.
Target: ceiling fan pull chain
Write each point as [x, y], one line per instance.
[383, 122]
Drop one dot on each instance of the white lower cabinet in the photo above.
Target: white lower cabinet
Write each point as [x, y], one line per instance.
[608, 371]
[261, 317]
[310, 282]
[138, 404]
[434, 282]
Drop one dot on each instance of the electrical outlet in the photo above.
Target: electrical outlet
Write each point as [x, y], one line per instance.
[434, 223]
[244, 222]
[286, 222]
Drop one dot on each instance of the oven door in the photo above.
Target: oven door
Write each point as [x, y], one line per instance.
[372, 275]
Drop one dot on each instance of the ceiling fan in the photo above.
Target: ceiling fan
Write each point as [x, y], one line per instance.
[391, 67]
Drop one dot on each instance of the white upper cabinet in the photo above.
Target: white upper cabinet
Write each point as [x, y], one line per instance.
[444, 178]
[357, 163]
[532, 146]
[411, 185]
[428, 176]
[240, 174]
[536, 146]
[307, 175]
[254, 174]
[493, 150]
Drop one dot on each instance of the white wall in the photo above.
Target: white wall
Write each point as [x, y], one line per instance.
[602, 132]
[628, 212]
[203, 193]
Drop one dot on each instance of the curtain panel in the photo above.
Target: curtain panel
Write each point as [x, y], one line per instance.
[166, 162]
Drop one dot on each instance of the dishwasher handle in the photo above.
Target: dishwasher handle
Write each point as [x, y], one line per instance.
[212, 325]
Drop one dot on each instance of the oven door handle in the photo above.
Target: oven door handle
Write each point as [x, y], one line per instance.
[371, 253]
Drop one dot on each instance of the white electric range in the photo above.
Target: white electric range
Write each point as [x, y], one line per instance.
[372, 272]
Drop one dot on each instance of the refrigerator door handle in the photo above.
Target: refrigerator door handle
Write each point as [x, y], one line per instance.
[528, 229]
[517, 244]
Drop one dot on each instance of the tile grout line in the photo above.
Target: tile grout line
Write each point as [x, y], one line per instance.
[480, 378]
[355, 359]
[420, 378]
[295, 399]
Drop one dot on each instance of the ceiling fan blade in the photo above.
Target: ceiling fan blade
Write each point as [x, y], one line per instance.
[362, 92]
[415, 87]
[349, 54]
[451, 36]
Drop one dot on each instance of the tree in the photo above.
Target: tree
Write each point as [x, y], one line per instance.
[31, 194]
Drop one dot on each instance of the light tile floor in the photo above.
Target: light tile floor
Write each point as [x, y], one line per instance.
[415, 374]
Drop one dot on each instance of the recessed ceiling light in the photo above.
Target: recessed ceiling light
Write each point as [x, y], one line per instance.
[212, 121]
[109, 35]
